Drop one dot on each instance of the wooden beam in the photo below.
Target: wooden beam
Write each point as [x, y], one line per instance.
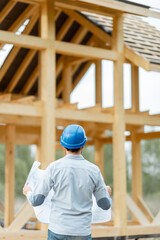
[136, 211]
[136, 168]
[24, 235]
[155, 67]
[143, 206]
[138, 60]
[151, 135]
[98, 82]
[64, 28]
[106, 7]
[20, 109]
[15, 50]
[48, 84]
[18, 74]
[119, 171]
[85, 51]
[8, 7]
[83, 115]
[100, 7]
[30, 82]
[9, 175]
[23, 40]
[89, 25]
[138, 119]
[135, 87]
[22, 217]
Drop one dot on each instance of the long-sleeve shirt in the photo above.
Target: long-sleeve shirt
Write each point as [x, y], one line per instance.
[74, 180]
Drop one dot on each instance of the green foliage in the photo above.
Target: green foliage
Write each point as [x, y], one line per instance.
[150, 165]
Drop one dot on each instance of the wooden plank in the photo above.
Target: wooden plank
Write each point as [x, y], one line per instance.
[151, 135]
[64, 28]
[137, 59]
[89, 25]
[106, 7]
[8, 7]
[30, 82]
[98, 82]
[18, 74]
[22, 217]
[83, 116]
[136, 168]
[85, 51]
[135, 87]
[9, 175]
[155, 68]
[25, 100]
[119, 171]
[20, 109]
[137, 119]
[136, 211]
[143, 206]
[23, 40]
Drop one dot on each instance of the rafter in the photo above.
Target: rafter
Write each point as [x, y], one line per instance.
[6, 10]
[18, 74]
[64, 29]
[28, 12]
[89, 25]
[15, 50]
[30, 82]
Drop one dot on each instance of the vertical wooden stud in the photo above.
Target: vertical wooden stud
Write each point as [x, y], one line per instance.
[9, 175]
[98, 79]
[99, 156]
[119, 170]
[135, 87]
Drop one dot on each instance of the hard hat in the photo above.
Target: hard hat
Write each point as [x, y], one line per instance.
[73, 137]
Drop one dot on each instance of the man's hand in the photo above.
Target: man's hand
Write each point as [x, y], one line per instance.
[26, 189]
[109, 190]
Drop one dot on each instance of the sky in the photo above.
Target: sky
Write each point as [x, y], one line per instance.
[149, 82]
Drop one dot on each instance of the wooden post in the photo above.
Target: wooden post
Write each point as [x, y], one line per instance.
[99, 156]
[67, 81]
[135, 87]
[136, 168]
[98, 84]
[9, 175]
[119, 162]
[48, 83]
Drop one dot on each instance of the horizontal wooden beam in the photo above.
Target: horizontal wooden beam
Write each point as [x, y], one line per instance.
[138, 119]
[85, 51]
[83, 116]
[106, 7]
[100, 7]
[20, 109]
[23, 40]
[24, 235]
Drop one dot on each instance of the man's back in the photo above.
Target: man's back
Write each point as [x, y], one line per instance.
[74, 181]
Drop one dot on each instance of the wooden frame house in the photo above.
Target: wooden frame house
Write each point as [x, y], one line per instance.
[59, 42]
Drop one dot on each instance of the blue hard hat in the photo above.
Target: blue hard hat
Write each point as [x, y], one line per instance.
[73, 137]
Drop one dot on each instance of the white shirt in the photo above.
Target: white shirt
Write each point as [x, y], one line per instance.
[73, 180]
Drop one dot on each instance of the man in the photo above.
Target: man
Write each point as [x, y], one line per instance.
[74, 180]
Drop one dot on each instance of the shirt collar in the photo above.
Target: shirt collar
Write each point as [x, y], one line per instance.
[76, 157]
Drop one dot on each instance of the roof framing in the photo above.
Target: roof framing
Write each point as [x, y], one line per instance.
[112, 7]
